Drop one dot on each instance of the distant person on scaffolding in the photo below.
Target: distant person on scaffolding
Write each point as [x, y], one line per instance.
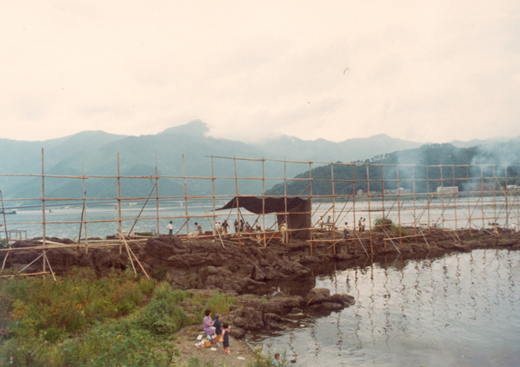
[198, 232]
[360, 224]
[283, 231]
[363, 225]
[225, 226]
[169, 227]
[346, 232]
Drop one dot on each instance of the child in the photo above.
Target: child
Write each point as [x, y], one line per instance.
[276, 360]
[207, 323]
[225, 332]
[218, 330]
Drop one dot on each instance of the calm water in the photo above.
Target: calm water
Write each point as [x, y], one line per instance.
[455, 217]
[458, 310]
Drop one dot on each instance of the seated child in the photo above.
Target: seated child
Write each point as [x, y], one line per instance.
[276, 360]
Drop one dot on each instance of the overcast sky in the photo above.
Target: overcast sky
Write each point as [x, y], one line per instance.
[429, 71]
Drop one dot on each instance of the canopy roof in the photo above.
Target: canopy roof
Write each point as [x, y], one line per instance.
[272, 205]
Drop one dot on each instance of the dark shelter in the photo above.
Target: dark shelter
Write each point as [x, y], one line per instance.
[298, 209]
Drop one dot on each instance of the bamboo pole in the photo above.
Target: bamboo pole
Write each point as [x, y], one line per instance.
[369, 216]
[157, 194]
[185, 198]
[43, 210]
[120, 228]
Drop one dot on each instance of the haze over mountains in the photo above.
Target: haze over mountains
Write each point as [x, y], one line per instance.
[97, 151]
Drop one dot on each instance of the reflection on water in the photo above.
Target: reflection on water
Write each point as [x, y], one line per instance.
[457, 310]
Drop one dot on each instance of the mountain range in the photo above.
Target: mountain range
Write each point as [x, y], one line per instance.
[95, 153]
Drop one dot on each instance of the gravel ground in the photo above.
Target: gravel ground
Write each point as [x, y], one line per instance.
[185, 340]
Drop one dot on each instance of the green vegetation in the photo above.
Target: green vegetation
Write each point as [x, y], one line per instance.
[386, 224]
[80, 320]
[447, 166]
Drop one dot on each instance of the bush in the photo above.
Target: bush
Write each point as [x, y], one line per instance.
[386, 224]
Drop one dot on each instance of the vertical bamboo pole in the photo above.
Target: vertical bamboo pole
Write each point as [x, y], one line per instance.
[454, 196]
[333, 205]
[120, 227]
[285, 200]
[506, 193]
[428, 196]
[442, 197]
[414, 211]
[495, 219]
[157, 194]
[469, 188]
[85, 211]
[43, 212]
[213, 191]
[482, 194]
[399, 204]
[237, 204]
[354, 195]
[310, 197]
[382, 189]
[263, 201]
[369, 212]
[185, 197]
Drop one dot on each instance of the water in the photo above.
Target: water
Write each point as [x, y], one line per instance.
[481, 212]
[458, 310]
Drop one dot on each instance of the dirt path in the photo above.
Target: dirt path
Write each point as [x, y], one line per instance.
[185, 340]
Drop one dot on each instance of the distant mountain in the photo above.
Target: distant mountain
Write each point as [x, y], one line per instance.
[95, 152]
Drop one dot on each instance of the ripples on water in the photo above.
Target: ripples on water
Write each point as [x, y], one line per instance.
[459, 310]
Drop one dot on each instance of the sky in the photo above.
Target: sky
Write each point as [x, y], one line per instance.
[427, 71]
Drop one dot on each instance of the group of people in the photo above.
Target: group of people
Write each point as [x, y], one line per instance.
[346, 231]
[216, 331]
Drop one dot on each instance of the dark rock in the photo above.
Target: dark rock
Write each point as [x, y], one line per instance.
[237, 332]
[317, 295]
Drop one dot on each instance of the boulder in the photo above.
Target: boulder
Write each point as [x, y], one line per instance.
[317, 295]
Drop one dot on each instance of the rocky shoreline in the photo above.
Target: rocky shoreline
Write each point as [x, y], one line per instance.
[253, 273]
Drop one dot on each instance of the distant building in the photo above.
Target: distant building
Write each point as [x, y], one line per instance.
[359, 192]
[512, 187]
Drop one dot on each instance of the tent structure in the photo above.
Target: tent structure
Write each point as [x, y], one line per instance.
[296, 211]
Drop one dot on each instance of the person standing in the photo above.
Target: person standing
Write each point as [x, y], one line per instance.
[169, 227]
[225, 226]
[283, 231]
[346, 232]
[225, 332]
[363, 225]
[360, 224]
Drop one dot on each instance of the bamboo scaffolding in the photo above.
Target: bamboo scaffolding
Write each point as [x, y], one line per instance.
[442, 208]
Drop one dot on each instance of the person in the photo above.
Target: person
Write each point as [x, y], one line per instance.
[360, 224]
[247, 226]
[169, 227]
[236, 226]
[363, 225]
[217, 228]
[276, 360]
[241, 229]
[225, 226]
[218, 329]
[513, 228]
[329, 223]
[283, 231]
[198, 232]
[207, 323]
[225, 333]
[345, 230]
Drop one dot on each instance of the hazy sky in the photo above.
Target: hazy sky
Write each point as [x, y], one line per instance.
[418, 70]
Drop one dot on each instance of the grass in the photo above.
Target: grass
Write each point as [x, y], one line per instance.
[80, 320]
[385, 224]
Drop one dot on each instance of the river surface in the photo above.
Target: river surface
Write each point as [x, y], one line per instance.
[462, 309]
